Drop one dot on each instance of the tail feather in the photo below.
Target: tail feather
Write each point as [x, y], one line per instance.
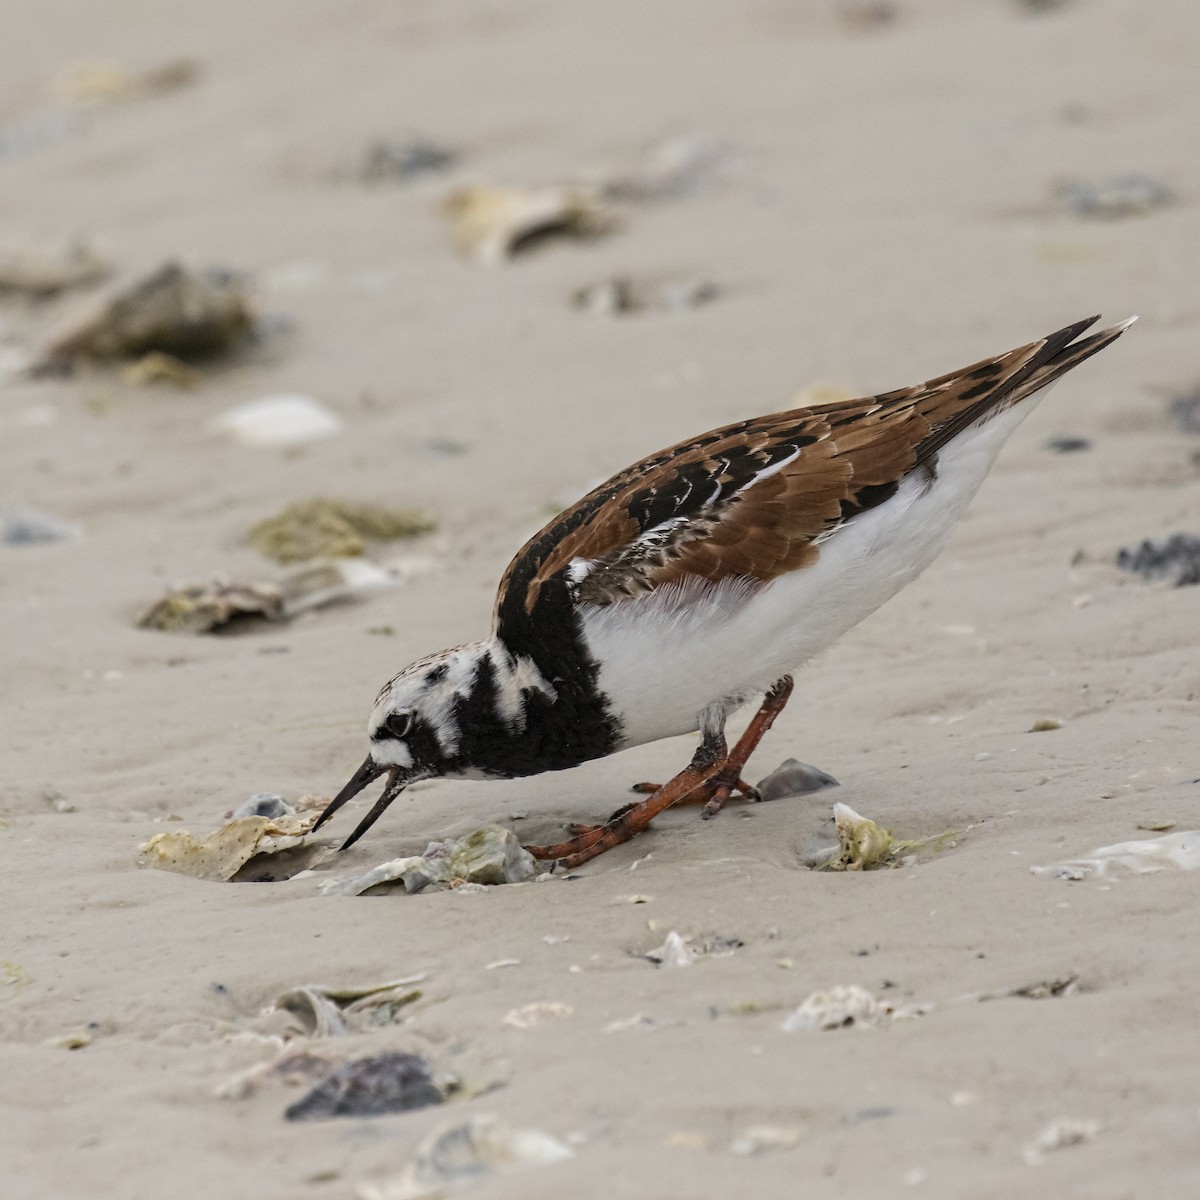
[1037, 365]
[1068, 357]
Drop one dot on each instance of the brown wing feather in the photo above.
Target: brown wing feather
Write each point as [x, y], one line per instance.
[754, 499]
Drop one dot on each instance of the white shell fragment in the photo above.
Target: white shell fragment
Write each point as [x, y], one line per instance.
[678, 951]
[274, 421]
[489, 855]
[530, 1015]
[468, 1154]
[1058, 1135]
[758, 1139]
[492, 224]
[674, 952]
[837, 1008]
[1180, 851]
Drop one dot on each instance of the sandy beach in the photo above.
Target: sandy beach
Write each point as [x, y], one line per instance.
[875, 200]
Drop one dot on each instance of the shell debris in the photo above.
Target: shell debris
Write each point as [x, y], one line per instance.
[192, 315]
[493, 224]
[370, 1087]
[325, 528]
[468, 1154]
[222, 854]
[488, 855]
[1179, 851]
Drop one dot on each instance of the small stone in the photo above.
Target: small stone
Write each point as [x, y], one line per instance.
[370, 1087]
[30, 527]
[1067, 444]
[263, 804]
[794, 778]
[1123, 196]
[1174, 560]
[276, 421]
[399, 160]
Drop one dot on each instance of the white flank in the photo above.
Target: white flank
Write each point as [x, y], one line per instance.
[668, 655]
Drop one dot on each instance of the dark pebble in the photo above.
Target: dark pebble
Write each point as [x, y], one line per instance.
[1175, 559]
[370, 1087]
[1067, 444]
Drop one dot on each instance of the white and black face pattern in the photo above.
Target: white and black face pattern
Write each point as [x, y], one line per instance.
[428, 720]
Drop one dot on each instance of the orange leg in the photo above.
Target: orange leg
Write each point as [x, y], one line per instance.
[712, 775]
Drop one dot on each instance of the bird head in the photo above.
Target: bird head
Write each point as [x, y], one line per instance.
[416, 729]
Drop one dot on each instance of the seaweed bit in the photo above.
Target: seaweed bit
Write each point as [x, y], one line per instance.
[1175, 559]
[370, 1087]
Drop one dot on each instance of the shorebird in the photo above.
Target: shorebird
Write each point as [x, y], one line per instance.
[699, 579]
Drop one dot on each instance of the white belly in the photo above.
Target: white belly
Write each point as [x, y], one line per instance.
[667, 655]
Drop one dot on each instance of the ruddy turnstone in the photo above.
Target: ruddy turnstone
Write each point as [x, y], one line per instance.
[698, 579]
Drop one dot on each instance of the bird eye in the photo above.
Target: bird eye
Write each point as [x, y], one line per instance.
[398, 724]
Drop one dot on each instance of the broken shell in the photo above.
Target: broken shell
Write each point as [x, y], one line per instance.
[492, 224]
[203, 608]
[1066, 1131]
[1043, 989]
[222, 854]
[276, 421]
[864, 844]
[678, 951]
[837, 1008]
[105, 82]
[489, 855]
[468, 1153]
[200, 608]
[530, 1015]
[41, 271]
[333, 1012]
[190, 314]
[322, 528]
[793, 778]
[1175, 850]
[674, 952]
[370, 1087]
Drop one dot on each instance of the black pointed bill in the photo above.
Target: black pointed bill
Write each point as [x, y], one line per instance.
[369, 771]
[396, 783]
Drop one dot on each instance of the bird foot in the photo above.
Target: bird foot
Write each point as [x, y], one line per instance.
[710, 779]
